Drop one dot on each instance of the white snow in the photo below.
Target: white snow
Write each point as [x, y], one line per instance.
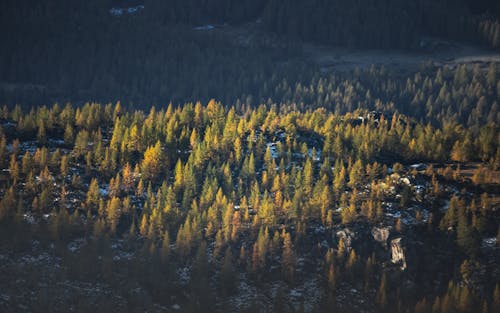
[418, 167]
[419, 189]
[122, 11]
[204, 27]
[295, 293]
[489, 242]
[29, 259]
[273, 149]
[76, 244]
[123, 256]
[246, 293]
[29, 218]
[184, 275]
[57, 142]
[4, 297]
[316, 157]
[446, 206]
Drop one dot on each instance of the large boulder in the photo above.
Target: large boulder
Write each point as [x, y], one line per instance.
[348, 236]
[398, 252]
[381, 234]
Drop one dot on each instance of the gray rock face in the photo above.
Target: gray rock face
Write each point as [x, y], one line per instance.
[381, 234]
[347, 236]
[398, 253]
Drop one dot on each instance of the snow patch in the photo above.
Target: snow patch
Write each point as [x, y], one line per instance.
[29, 218]
[489, 242]
[273, 149]
[176, 307]
[184, 275]
[204, 27]
[77, 244]
[123, 11]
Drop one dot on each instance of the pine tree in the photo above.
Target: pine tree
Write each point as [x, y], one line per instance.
[26, 163]
[465, 237]
[339, 179]
[356, 174]
[422, 306]
[348, 214]
[81, 143]
[8, 203]
[93, 194]
[41, 135]
[113, 213]
[3, 149]
[382, 293]
[64, 167]
[165, 247]
[288, 258]
[332, 279]
[495, 302]
[127, 177]
[151, 163]
[69, 135]
[14, 169]
[352, 260]
[228, 273]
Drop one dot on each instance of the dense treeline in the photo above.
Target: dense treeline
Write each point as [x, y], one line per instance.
[142, 60]
[242, 192]
[464, 95]
[387, 23]
[204, 67]
[135, 59]
[380, 24]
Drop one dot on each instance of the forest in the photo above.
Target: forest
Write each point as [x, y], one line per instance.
[155, 57]
[191, 156]
[220, 193]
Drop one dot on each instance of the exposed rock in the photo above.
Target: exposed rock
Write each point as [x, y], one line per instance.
[489, 242]
[381, 234]
[348, 236]
[398, 253]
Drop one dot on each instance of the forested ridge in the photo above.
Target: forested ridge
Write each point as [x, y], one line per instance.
[388, 23]
[224, 156]
[253, 193]
[142, 61]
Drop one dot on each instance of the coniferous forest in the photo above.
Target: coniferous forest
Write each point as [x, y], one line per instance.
[198, 156]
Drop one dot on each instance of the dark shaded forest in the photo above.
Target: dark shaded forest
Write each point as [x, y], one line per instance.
[61, 51]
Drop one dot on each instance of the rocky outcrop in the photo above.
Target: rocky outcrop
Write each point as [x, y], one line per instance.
[381, 234]
[398, 252]
[348, 236]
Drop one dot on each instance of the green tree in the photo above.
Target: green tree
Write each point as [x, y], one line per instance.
[113, 213]
[152, 161]
[382, 293]
[228, 273]
[81, 143]
[14, 168]
[93, 194]
[165, 247]
[495, 302]
[356, 174]
[288, 258]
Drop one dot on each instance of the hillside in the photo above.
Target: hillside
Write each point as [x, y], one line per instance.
[250, 156]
